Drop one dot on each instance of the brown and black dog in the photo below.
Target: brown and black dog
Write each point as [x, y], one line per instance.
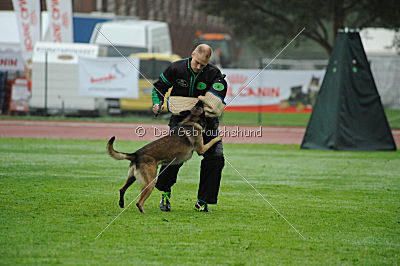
[175, 148]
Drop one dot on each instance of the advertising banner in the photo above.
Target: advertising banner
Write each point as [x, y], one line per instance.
[78, 49]
[272, 90]
[60, 21]
[20, 95]
[109, 77]
[11, 61]
[28, 19]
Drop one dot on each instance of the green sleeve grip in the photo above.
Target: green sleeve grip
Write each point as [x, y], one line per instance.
[154, 97]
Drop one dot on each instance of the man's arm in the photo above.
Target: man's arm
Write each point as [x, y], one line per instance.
[161, 87]
[214, 98]
[219, 86]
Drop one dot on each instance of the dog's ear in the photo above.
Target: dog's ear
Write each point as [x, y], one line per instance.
[202, 121]
[185, 113]
[203, 116]
[199, 104]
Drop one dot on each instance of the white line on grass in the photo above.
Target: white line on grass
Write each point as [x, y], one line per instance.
[297, 231]
[132, 201]
[294, 38]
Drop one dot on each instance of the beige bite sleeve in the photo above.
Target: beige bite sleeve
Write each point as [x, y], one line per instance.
[177, 104]
[213, 105]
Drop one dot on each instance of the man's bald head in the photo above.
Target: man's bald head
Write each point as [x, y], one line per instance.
[200, 57]
[203, 50]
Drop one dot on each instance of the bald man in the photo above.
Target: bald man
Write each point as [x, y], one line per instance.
[193, 77]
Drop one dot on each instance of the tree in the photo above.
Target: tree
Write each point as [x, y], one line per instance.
[270, 22]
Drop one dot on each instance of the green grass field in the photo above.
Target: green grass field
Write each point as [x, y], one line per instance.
[58, 195]
[228, 118]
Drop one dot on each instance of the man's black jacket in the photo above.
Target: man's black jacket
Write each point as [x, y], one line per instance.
[185, 82]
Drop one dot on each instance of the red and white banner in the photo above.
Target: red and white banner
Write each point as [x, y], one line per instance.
[272, 90]
[11, 61]
[109, 77]
[60, 27]
[28, 19]
[20, 94]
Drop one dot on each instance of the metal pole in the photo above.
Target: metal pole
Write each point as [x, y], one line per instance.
[259, 113]
[260, 97]
[45, 84]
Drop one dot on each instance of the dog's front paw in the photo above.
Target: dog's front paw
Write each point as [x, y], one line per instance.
[121, 203]
[140, 207]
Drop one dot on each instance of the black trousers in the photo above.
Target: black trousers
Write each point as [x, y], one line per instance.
[211, 165]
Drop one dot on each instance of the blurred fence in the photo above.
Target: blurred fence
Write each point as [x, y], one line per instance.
[386, 72]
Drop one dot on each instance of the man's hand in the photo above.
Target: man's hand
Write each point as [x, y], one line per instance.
[157, 109]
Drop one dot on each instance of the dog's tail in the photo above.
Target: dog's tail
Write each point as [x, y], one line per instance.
[119, 155]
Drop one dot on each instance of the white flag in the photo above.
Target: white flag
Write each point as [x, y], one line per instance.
[108, 77]
[60, 27]
[28, 19]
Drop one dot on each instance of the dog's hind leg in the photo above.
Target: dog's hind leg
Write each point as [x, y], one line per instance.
[148, 172]
[128, 183]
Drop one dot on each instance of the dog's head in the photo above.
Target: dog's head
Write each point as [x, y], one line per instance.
[196, 114]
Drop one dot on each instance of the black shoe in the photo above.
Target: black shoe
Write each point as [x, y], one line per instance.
[165, 205]
[201, 207]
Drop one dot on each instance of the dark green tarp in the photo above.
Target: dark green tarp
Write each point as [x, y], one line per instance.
[348, 114]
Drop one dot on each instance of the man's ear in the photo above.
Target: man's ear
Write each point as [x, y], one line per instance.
[185, 113]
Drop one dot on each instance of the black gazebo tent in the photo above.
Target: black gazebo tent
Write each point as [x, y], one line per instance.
[348, 114]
